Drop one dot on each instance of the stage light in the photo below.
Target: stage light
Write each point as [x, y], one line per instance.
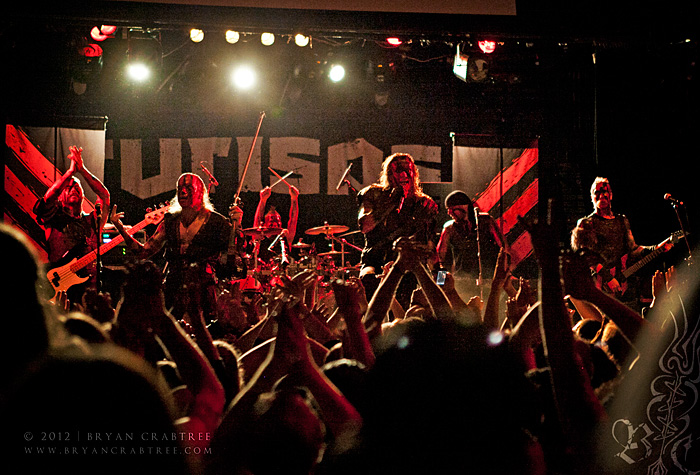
[144, 55]
[139, 72]
[196, 35]
[86, 67]
[232, 37]
[470, 67]
[243, 77]
[103, 32]
[267, 39]
[394, 41]
[336, 73]
[487, 46]
[459, 65]
[301, 40]
[108, 30]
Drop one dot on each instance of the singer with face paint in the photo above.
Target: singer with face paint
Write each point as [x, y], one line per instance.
[393, 207]
[70, 231]
[194, 236]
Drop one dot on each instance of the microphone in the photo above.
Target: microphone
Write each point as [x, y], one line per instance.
[342, 179]
[400, 192]
[674, 201]
[211, 177]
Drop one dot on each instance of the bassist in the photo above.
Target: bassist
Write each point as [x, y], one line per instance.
[70, 231]
[609, 236]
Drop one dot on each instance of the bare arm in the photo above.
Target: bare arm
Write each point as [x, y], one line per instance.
[57, 187]
[260, 210]
[443, 245]
[348, 299]
[143, 251]
[500, 274]
[495, 231]
[381, 301]
[93, 182]
[293, 214]
[577, 405]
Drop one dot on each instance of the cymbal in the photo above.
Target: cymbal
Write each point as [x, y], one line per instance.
[301, 245]
[327, 229]
[262, 232]
[330, 253]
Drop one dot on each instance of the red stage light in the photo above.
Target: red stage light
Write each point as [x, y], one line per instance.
[394, 41]
[487, 46]
[108, 30]
[92, 51]
[103, 32]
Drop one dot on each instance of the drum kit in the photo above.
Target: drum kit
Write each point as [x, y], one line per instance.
[332, 264]
[262, 275]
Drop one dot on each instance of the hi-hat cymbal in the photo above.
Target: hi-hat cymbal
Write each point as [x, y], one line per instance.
[327, 229]
[301, 245]
[262, 232]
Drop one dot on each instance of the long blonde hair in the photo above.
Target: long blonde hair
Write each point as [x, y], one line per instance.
[384, 176]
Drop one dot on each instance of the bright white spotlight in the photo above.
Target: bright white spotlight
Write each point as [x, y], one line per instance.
[244, 77]
[138, 72]
[336, 73]
[267, 39]
[232, 37]
[301, 40]
[196, 35]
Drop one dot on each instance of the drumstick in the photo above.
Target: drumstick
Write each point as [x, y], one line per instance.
[282, 179]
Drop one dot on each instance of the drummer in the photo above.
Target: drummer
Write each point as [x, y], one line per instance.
[270, 219]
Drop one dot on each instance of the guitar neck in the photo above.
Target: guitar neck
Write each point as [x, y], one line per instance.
[104, 248]
[641, 263]
[648, 258]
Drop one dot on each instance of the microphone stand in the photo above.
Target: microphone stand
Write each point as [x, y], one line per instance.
[98, 256]
[479, 280]
[685, 234]
[342, 242]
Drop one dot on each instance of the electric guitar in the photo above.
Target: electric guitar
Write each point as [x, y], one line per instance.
[66, 276]
[607, 277]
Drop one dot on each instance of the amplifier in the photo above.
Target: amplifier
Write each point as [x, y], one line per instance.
[116, 255]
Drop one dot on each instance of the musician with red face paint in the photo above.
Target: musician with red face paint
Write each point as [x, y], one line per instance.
[607, 236]
[269, 218]
[71, 232]
[393, 207]
[194, 236]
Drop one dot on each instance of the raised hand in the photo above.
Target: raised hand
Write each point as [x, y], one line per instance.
[502, 269]
[236, 214]
[349, 297]
[76, 157]
[293, 192]
[411, 254]
[265, 193]
[114, 216]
